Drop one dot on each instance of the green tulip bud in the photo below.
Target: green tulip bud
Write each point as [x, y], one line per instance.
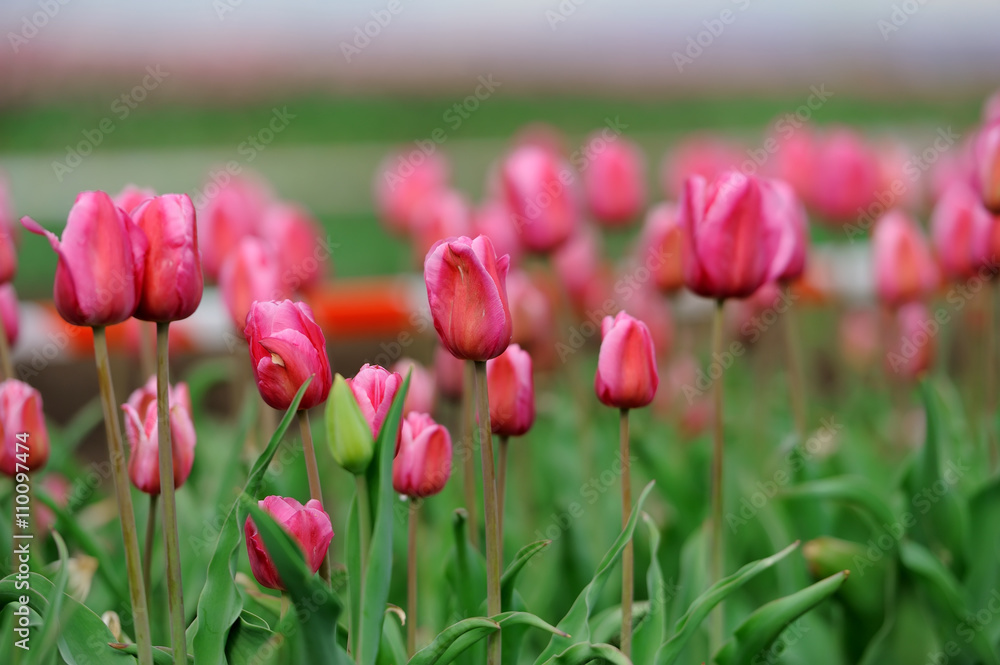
[347, 432]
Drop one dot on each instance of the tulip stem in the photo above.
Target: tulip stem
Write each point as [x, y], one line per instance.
[716, 562]
[175, 588]
[628, 572]
[489, 512]
[411, 579]
[468, 461]
[501, 483]
[147, 552]
[312, 471]
[5, 363]
[116, 453]
[796, 377]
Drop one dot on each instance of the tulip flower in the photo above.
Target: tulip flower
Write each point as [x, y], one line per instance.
[512, 392]
[858, 333]
[298, 241]
[131, 196]
[229, 213]
[578, 264]
[793, 160]
[141, 429]
[987, 158]
[912, 353]
[904, 267]
[662, 247]
[961, 229]
[173, 285]
[287, 346]
[348, 433]
[449, 374]
[614, 180]
[308, 525]
[420, 396]
[787, 215]
[423, 463]
[626, 367]
[531, 310]
[374, 388]
[9, 313]
[24, 439]
[467, 292]
[538, 186]
[730, 244]
[251, 273]
[704, 155]
[403, 182]
[102, 258]
[847, 176]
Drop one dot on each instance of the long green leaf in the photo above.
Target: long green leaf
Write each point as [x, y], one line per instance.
[393, 649]
[53, 618]
[465, 569]
[855, 490]
[649, 633]
[433, 653]
[515, 567]
[247, 638]
[579, 654]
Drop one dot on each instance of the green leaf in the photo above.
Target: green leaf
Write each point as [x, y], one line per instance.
[247, 638]
[465, 569]
[982, 576]
[393, 650]
[579, 654]
[352, 549]
[756, 634]
[688, 624]
[161, 655]
[433, 653]
[516, 566]
[575, 623]
[652, 628]
[855, 490]
[52, 618]
[220, 602]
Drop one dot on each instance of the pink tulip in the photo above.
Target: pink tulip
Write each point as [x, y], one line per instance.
[662, 246]
[142, 431]
[614, 180]
[539, 188]
[131, 196]
[298, 241]
[251, 273]
[467, 292]
[374, 388]
[173, 285]
[626, 376]
[652, 309]
[423, 461]
[911, 354]
[987, 157]
[403, 182]
[58, 489]
[731, 245]
[897, 183]
[859, 338]
[961, 230]
[443, 214]
[9, 312]
[8, 236]
[847, 176]
[420, 396]
[231, 212]
[511, 389]
[493, 220]
[102, 258]
[449, 374]
[904, 267]
[577, 262]
[792, 159]
[786, 213]
[24, 439]
[702, 155]
[531, 310]
[286, 348]
[308, 525]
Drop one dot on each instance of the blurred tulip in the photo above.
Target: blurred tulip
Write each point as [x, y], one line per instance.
[859, 338]
[991, 108]
[420, 396]
[786, 213]
[374, 388]
[492, 219]
[511, 389]
[904, 267]
[847, 175]
[298, 240]
[467, 292]
[131, 196]
[308, 525]
[449, 374]
[402, 183]
[912, 353]
[441, 215]
[423, 462]
[141, 429]
[662, 246]
[58, 488]
[961, 229]
[251, 273]
[229, 213]
[287, 346]
[8, 236]
[538, 186]
[897, 181]
[988, 166]
[9, 312]
[531, 310]
[792, 159]
[614, 180]
[172, 285]
[578, 261]
[731, 245]
[651, 308]
[348, 433]
[626, 377]
[24, 438]
[703, 155]
[102, 258]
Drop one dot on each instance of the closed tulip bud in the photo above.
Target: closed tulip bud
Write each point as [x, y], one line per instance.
[24, 438]
[233, 212]
[102, 258]
[142, 431]
[540, 197]
[403, 182]
[374, 388]
[786, 213]
[348, 434]
[962, 230]
[511, 389]
[449, 373]
[626, 377]
[467, 292]
[131, 196]
[423, 462]
[251, 273]
[615, 180]
[988, 166]
[309, 526]
[9, 313]
[298, 241]
[904, 267]
[912, 352]
[846, 177]
[662, 247]
[730, 243]
[287, 346]
[420, 396]
[172, 285]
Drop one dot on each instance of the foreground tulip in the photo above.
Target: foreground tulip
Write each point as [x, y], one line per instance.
[987, 158]
[961, 229]
[348, 434]
[467, 292]
[298, 240]
[420, 396]
[172, 285]
[731, 245]
[101, 262]
[614, 180]
[904, 267]
[141, 431]
[912, 352]
[662, 247]
[374, 388]
[786, 213]
[423, 463]
[537, 185]
[287, 346]
[308, 525]
[251, 273]
[402, 184]
[24, 439]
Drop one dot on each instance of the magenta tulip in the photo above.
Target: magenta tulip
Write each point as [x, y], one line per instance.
[614, 180]
[788, 217]
[904, 267]
[229, 213]
[626, 377]
[299, 244]
[962, 230]
[662, 246]
[374, 388]
[24, 439]
[987, 158]
[538, 186]
[308, 525]
[846, 178]
[141, 429]
[251, 273]
[423, 461]
[511, 392]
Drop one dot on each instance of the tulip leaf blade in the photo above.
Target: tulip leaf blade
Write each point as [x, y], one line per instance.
[457, 638]
[648, 635]
[521, 559]
[580, 654]
[465, 569]
[856, 490]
